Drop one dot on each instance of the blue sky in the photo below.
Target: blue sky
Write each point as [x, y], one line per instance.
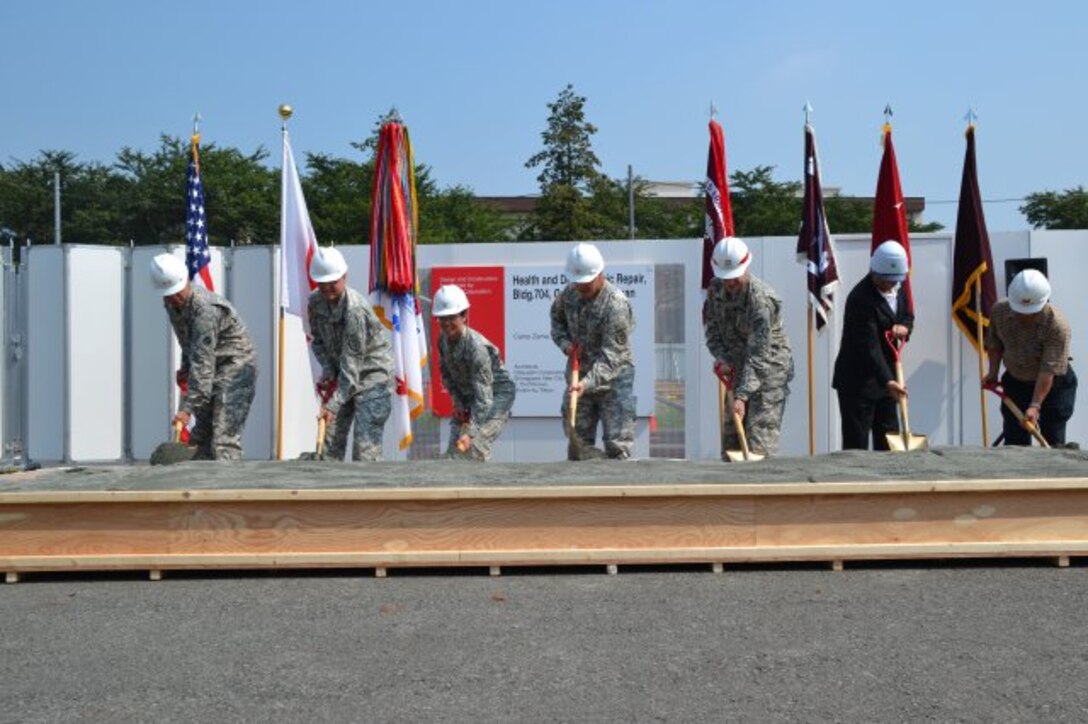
[472, 79]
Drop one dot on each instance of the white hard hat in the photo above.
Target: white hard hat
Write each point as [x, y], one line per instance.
[168, 274]
[731, 258]
[449, 300]
[584, 263]
[1029, 292]
[327, 265]
[889, 261]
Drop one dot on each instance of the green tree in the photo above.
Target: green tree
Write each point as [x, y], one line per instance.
[763, 206]
[608, 205]
[241, 194]
[91, 199]
[454, 215]
[568, 170]
[338, 197]
[1053, 210]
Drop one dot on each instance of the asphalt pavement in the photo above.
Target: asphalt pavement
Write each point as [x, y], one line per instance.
[890, 642]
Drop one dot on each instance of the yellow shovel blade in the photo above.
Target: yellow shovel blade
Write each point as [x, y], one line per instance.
[898, 442]
[737, 456]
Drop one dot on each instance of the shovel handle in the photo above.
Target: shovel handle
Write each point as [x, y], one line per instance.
[177, 431]
[321, 426]
[575, 369]
[998, 389]
[738, 423]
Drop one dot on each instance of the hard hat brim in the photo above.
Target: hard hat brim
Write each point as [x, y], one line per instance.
[585, 278]
[890, 277]
[174, 288]
[449, 312]
[733, 273]
[1020, 308]
[326, 278]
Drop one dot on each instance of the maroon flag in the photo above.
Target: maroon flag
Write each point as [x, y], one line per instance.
[972, 262]
[815, 247]
[889, 210]
[719, 211]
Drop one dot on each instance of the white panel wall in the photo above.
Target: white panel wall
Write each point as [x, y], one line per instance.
[46, 353]
[75, 341]
[5, 357]
[95, 368]
[150, 354]
[252, 291]
[1067, 252]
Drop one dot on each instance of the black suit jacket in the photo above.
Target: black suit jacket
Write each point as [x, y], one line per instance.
[866, 362]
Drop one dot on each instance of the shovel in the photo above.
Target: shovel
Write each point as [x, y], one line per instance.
[174, 451]
[462, 448]
[325, 390]
[581, 452]
[726, 401]
[902, 441]
[998, 389]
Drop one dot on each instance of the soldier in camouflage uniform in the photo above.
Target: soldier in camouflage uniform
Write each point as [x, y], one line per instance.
[356, 360]
[592, 320]
[472, 371]
[742, 322]
[218, 363]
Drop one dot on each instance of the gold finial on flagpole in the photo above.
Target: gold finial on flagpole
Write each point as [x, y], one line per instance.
[196, 128]
[286, 111]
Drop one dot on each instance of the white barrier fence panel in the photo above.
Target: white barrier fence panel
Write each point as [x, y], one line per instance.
[85, 369]
[252, 292]
[95, 296]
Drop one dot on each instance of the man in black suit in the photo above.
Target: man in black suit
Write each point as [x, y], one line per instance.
[865, 368]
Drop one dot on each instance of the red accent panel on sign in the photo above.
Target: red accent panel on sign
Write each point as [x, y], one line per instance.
[485, 288]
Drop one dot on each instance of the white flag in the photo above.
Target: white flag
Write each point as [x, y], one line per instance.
[402, 317]
[297, 246]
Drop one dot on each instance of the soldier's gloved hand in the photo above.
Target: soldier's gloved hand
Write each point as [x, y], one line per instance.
[327, 415]
[182, 378]
[723, 371]
[326, 388]
[740, 407]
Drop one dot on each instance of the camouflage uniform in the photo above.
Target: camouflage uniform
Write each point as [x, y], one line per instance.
[218, 358]
[478, 382]
[353, 348]
[602, 328]
[746, 333]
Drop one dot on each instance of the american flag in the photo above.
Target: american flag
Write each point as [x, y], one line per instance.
[197, 255]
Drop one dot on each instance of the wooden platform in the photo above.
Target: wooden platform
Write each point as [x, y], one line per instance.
[608, 526]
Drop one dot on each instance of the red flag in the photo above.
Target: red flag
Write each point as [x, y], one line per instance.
[971, 259]
[719, 211]
[889, 210]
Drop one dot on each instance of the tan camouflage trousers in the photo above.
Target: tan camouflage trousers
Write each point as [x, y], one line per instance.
[368, 412]
[614, 410]
[486, 434]
[762, 423]
[217, 433]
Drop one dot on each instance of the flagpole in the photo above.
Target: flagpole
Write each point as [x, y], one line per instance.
[981, 369]
[811, 381]
[811, 337]
[285, 113]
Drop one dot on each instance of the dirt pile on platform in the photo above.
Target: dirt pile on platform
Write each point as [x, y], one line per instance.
[962, 463]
